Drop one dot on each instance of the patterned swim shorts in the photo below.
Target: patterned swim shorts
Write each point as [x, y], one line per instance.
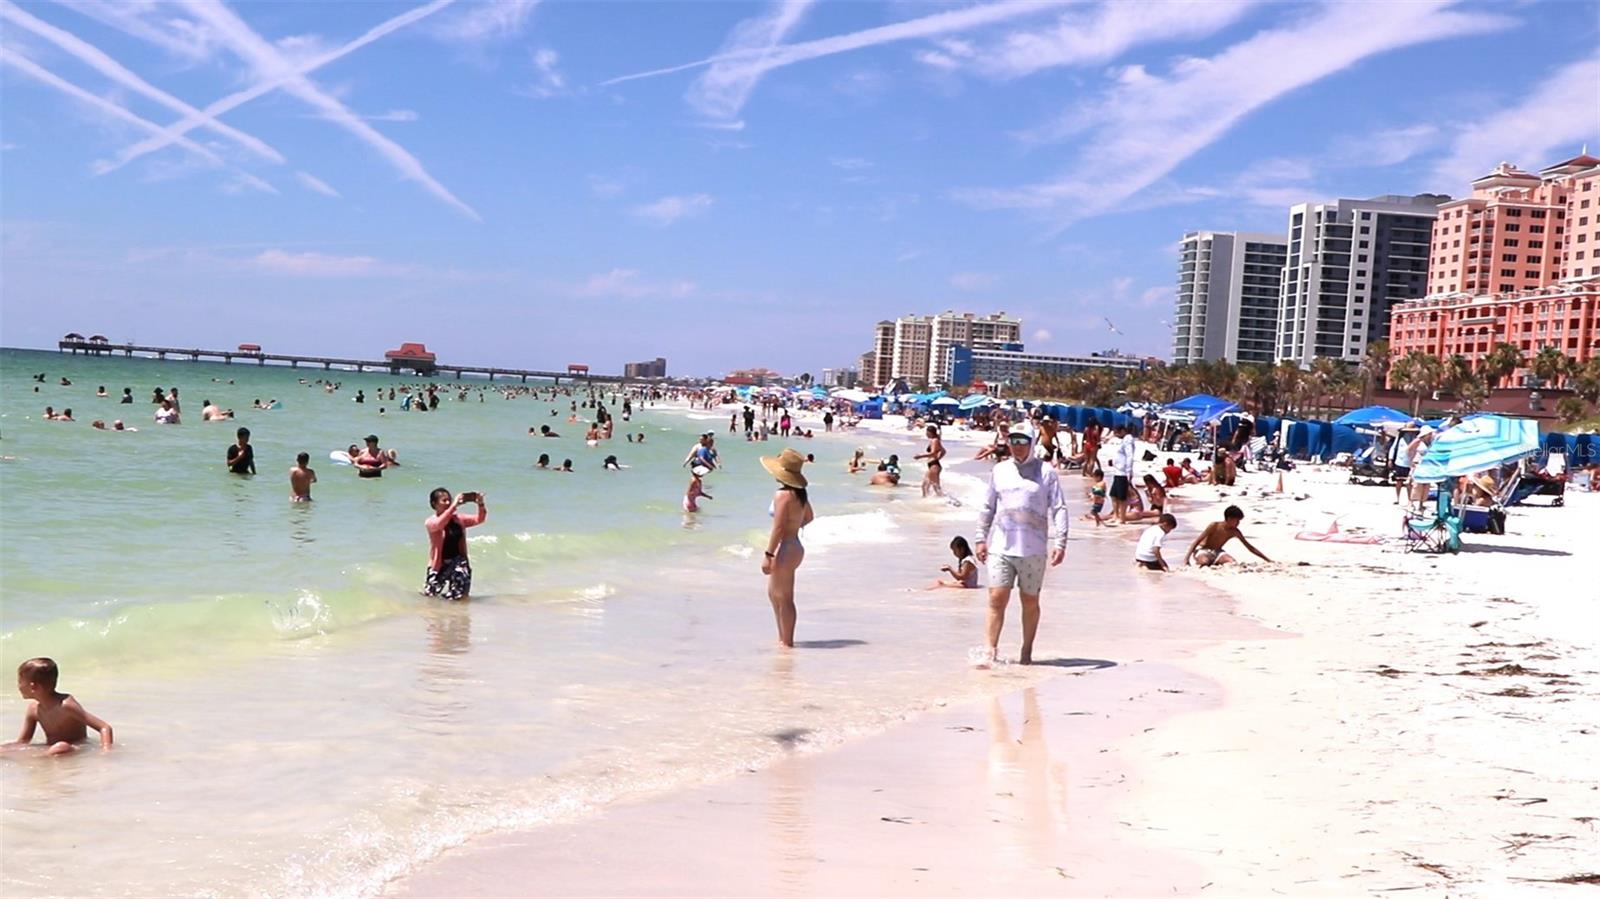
[452, 581]
[1026, 573]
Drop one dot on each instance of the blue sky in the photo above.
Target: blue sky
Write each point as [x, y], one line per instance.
[725, 184]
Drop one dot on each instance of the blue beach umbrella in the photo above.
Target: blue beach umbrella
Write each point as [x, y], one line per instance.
[1371, 417]
[1200, 408]
[1476, 444]
[976, 401]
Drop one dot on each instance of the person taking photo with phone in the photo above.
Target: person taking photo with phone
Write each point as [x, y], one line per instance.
[449, 574]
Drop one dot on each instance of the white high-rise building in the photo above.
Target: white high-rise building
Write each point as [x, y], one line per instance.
[1348, 261]
[1228, 294]
[968, 330]
[916, 348]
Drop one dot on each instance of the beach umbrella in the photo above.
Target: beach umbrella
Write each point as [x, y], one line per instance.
[851, 394]
[1374, 417]
[976, 401]
[1200, 408]
[1476, 444]
[946, 401]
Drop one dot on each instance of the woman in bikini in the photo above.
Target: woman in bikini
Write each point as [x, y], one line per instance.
[791, 511]
[933, 454]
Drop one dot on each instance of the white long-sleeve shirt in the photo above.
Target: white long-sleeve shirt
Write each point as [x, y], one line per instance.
[1024, 509]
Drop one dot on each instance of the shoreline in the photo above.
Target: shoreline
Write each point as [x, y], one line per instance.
[1318, 724]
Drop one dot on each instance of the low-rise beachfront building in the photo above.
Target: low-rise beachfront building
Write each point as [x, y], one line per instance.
[1007, 363]
[1564, 315]
[1228, 294]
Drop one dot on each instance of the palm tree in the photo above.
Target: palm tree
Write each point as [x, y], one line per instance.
[1457, 373]
[1328, 376]
[1571, 409]
[1586, 380]
[1417, 373]
[1374, 368]
[1290, 382]
[1498, 364]
[1551, 366]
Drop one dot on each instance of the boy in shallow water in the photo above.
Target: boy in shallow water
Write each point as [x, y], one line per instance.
[65, 722]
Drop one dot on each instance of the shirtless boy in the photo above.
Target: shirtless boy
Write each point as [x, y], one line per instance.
[65, 722]
[1206, 550]
[300, 479]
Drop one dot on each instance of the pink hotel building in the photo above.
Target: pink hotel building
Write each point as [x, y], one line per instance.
[1517, 262]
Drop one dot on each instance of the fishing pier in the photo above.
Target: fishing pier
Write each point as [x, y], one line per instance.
[410, 357]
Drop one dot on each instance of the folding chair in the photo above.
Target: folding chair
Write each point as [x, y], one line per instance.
[1440, 533]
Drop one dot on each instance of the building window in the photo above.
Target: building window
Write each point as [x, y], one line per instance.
[1534, 260]
[1361, 245]
[1513, 226]
[1508, 257]
[1508, 273]
[1514, 213]
[1512, 242]
[1535, 244]
[1535, 229]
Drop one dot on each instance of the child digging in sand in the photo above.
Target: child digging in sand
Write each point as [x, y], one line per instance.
[65, 722]
[965, 572]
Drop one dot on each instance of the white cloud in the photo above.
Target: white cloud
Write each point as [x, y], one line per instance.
[1136, 134]
[1391, 146]
[745, 65]
[484, 21]
[602, 186]
[394, 115]
[50, 79]
[266, 60]
[625, 284]
[849, 163]
[166, 136]
[908, 255]
[312, 182]
[96, 59]
[721, 91]
[322, 265]
[548, 80]
[8, 145]
[1157, 296]
[183, 38]
[1096, 35]
[669, 210]
[1549, 124]
[974, 280]
[1041, 336]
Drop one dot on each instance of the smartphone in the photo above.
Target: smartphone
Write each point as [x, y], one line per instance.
[470, 497]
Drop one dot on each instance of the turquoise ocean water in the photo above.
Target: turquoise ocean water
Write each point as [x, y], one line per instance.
[293, 719]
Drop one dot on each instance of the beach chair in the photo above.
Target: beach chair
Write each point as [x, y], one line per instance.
[1491, 518]
[1440, 533]
[1548, 479]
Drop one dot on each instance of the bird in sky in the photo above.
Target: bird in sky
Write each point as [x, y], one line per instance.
[1113, 328]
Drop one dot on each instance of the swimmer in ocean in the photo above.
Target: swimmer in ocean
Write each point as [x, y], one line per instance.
[242, 456]
[301, 477]
[372, 461]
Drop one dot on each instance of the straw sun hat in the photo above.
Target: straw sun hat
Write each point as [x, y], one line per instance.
[786, 468]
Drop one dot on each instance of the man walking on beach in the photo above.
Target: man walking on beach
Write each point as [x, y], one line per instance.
[1122, 472]
[1027, 512]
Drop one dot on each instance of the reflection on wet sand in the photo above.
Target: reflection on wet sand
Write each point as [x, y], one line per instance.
[1027, 789]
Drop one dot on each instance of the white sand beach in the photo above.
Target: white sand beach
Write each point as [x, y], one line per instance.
[1348, 720]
